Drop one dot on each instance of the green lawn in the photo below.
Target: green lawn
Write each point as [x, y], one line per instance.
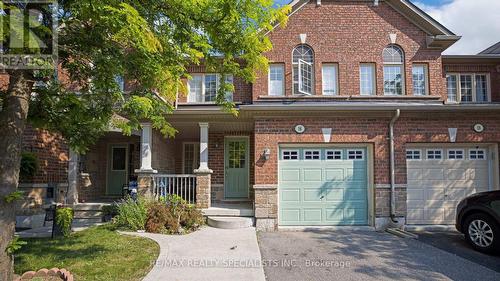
[97, 253]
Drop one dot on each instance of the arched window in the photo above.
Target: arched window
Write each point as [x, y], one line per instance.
[303, 70]
[393, 58]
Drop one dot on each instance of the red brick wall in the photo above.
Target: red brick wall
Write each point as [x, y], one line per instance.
[349, 33]
[410, 128]
[480, 67]
[52, 153]
[242, 90]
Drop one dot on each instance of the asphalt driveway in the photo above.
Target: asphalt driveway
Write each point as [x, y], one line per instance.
[361, 255]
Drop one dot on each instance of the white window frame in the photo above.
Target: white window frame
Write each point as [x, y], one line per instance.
[335, 82]
[334, 151]
[227, 77]
[355, 154]
[290, 150]
[196, 155]
[373, 68]
[485, 154]
[401, 66]
[413, 155]
[455, 150]
[458, 87]
[282, 67]
[434, 150]
[426, 78]
[302, 64]
[312, 155]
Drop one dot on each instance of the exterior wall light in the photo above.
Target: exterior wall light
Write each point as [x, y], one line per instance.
[267, 153]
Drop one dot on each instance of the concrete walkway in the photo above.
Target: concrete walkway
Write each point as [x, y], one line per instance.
[46, 231]
[207, 254]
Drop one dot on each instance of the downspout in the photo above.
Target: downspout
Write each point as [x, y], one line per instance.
[393, 168]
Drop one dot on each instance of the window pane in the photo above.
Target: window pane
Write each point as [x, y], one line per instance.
[481, 88]
[119, 158]
[466, 88]
[210, 87]
[419, 80]
[393, 55]
[393, 80]
[366, 79]
[329, 80]
[276, 80]
[451, 82]
[228, 79]
[305, 77]
[195, 86]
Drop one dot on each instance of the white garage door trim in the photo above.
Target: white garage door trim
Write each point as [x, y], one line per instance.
[370, 170]
[454, 177]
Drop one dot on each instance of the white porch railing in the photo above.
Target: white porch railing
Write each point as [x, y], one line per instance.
[181, 185]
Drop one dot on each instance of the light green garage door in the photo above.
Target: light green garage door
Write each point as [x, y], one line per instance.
[323, 186]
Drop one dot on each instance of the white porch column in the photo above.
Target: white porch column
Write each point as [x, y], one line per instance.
[72, 196]
[203, 148]
[146, 146]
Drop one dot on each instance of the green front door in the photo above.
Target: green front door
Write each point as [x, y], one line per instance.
[323, 186]
[117, 169]
[236, 162]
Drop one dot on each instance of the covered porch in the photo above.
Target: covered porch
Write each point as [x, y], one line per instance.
[209, 163]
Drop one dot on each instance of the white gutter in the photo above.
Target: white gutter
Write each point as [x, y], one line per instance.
[368, 106]
[393, 168]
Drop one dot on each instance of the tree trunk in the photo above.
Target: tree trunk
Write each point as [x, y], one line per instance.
[13, 117]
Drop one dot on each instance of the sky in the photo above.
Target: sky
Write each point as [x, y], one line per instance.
[477, 21]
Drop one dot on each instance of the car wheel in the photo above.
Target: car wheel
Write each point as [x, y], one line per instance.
[482, 233]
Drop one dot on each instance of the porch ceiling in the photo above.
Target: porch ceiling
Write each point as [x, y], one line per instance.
[191, 129]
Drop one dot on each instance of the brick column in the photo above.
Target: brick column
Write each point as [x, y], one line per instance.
[203, 188]
[266, 207]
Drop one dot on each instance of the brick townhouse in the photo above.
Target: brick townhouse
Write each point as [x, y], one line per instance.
[360, 120]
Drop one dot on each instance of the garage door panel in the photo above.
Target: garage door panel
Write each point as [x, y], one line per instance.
[334, 174]
[290, 195]
[312, 195]
[313, 214]
[290, 175]
[315, 175]
[435, 187]
[323, 192]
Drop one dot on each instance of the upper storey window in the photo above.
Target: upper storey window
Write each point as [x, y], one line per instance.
[393, 70]
[468, 87]
[203, 87]
[303, 70]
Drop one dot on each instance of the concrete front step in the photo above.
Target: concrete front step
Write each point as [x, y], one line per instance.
[88, 214]
[89, 206]
[86, 221]
[230, 222]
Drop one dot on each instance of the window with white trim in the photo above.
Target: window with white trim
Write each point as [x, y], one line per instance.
[393, 58]
[367, 79]
[420, 81]
[468, 87]
[330, 78]
[455, 154]
[434, 154]
[276, 80]
[203, 87]
[303, 70]
[477, 154]
[334, 155]
[120, 81]
[290, 155]
[312, 155]
[413, 154]
[191, 159]
[355, 154]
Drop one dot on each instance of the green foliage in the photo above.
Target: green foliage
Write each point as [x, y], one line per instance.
[111, 210]
[14, 245]
[29, 165]
[16, 195]
[64, 219]
[132, 215]
[173, 215]
[150, 43]
[157, 218]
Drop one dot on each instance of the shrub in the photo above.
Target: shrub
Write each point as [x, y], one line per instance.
[29, 165]
[191, 218]
[64, 219]
[157, 217]
[132, 214]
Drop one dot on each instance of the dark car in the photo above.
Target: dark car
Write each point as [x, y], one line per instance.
[478, 218]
